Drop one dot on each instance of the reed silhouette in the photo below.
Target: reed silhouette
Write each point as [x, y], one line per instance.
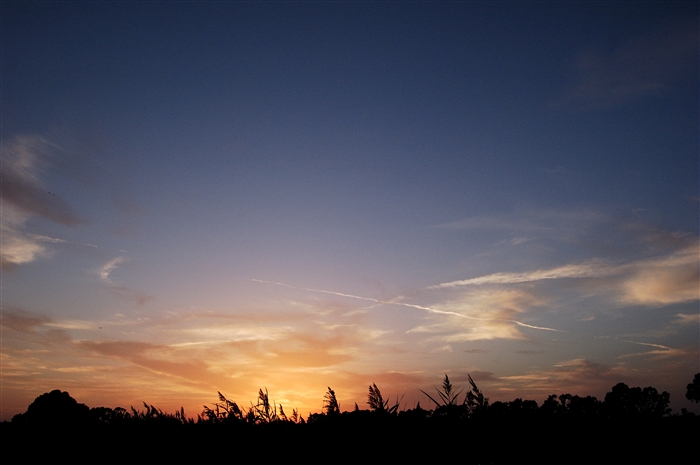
[330, 403]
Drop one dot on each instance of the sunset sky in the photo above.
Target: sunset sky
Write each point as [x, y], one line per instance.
[202, 197]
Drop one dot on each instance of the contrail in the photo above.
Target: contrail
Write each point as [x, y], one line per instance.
[536, 327]
[648, 344]
[56, 240]
[402, 304]
[386, 302]
[319, 290]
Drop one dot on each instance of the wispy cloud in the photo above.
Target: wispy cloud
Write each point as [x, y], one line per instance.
[665, 280]
[34, 326]
[578, 375]
[687, 319]
[106, 270]
[494, 315]
[493, 223]
[121, 291]
[205, 352]
[21, 320]
[633, 69]
[22, 161]
[584, 270]
[157, 358]
[23, 195]
[53, 240]
[652, 268]
[527, 219]
[648, 344]
[16, 248]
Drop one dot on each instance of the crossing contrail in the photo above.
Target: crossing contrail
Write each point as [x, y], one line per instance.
[403, 304]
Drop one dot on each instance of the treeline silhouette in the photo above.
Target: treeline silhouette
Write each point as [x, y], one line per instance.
[629, 422]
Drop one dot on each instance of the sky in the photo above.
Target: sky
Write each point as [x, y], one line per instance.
[228, 196]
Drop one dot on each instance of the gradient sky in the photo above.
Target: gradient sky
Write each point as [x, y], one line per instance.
[202, 197]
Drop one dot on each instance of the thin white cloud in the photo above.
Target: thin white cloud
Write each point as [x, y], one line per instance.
[493, 223]
[648, 344]
[658, 351]
[52, 240]
[514, 241]
[527, 219]
[73, 324]
[687, 319]
[519, 240]
[543, 328]
[584, 270]
[17, 248]
[106, 270]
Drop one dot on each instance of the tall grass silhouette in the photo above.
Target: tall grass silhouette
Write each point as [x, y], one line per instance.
[447, 403]
[377, 403]
[330, 403]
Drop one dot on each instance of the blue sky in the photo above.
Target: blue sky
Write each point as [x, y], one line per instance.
[225, 196]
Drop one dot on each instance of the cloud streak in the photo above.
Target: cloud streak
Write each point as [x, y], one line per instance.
[662, 280]
[585, 270]
[23, 196]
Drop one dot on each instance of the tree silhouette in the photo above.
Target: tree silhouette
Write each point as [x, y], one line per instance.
[54, 408]
[693, 392]
[624, 401]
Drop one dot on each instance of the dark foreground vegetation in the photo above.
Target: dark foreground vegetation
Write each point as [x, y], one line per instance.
[629, 425]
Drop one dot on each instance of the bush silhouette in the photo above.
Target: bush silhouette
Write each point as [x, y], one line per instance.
[55, 408]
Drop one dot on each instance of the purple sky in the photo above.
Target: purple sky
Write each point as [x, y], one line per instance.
[202, 197]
